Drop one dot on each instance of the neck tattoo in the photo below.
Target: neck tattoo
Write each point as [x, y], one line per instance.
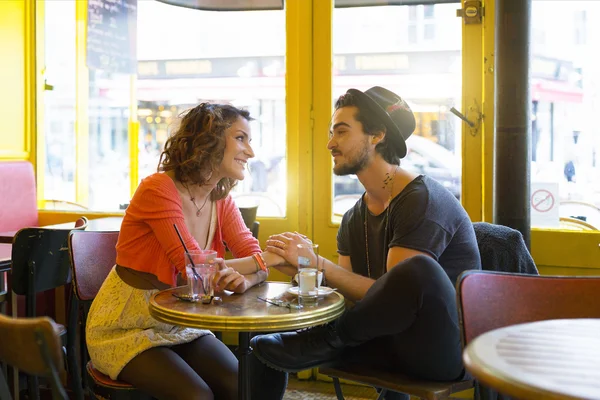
[193, 200]
[389, 180]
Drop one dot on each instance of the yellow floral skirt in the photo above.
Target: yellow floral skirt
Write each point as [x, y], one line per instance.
[119, 326]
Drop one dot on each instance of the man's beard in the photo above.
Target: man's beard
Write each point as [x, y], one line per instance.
[354, 165]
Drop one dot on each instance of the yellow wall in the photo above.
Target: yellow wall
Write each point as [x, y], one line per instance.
[13, 140]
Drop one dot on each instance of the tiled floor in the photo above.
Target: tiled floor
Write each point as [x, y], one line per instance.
[319, 390]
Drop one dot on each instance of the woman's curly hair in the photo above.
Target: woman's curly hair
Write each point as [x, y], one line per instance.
[195, 149]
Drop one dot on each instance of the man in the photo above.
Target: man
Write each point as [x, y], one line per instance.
[401, 248]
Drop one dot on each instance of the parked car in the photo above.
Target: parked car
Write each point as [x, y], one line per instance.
[424, 157]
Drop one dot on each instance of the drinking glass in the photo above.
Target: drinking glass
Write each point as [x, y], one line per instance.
[201, 283]
[308, 283]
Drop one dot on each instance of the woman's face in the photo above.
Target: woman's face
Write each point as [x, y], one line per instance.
[237, 150]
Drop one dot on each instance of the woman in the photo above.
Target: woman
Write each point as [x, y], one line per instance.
[200, 164]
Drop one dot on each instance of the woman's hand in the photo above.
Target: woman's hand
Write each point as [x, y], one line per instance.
[286, 245]
[228, 278]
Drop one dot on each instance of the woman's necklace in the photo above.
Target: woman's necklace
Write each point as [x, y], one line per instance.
[193, 200]
[385, 221]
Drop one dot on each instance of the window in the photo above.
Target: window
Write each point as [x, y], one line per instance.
[565, 82]
[429, 31]
[580, 27]
[109, 166]
[57, 111]
[428, 11]
[230, 57]
[429, 80]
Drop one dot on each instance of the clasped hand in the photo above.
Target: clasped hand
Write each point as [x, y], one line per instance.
[286, 245]
[227, 278]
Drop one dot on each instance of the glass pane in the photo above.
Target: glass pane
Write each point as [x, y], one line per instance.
[108, 140]
[58, 105]
[179, 70]
[565, 91]
[420, 60]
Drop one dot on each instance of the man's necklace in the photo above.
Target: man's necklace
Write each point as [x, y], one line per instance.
[385, 221]
[193, 200]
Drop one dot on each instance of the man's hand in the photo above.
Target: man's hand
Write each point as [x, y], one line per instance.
[286, 245]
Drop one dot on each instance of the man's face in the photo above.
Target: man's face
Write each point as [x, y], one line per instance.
[348, 144]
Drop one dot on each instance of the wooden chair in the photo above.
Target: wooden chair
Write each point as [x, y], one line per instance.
[576, 224]
[93, 255]
[40, 262]
[64, 205]
[81, 223]
[18, 201]
[32, 345]
[489, 300]
[576, 209]
[385, 381]
[249, 216]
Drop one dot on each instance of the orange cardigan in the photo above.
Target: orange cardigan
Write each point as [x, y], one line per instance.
[148, 241]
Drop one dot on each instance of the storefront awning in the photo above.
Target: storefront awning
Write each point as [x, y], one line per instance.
[555, 91]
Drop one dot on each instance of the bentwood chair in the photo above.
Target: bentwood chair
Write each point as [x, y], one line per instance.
[490, 300]
[93, 255]
[32, 345]
[40, 263]
[249, 217]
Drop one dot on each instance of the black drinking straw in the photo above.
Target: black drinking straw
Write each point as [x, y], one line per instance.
[188, 254]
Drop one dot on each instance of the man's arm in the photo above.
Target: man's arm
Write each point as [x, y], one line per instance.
[398, 254]
[351, 285]
[354, 286]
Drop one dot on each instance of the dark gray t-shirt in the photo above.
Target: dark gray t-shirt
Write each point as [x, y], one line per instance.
[425, 216]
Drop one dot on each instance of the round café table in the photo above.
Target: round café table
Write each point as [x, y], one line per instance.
[245, 313]
[555, 359]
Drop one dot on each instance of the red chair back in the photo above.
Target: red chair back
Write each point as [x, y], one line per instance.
[18, 202]
[93, 254]
[489, 300]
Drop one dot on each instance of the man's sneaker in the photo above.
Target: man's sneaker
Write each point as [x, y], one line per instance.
[297, 351]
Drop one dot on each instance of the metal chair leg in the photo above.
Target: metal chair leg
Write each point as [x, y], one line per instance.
[72, 364]
[338, 388]
[4, 391]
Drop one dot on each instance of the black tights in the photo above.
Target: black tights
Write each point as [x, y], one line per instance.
[203, 369]
[408, 321]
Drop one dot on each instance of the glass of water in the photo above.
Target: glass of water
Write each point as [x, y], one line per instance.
[308, 285]
[200, 283]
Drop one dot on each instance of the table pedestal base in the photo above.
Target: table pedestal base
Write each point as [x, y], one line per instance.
[244, 371]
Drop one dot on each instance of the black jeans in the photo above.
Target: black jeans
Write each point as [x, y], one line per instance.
[265, 383]
[408, 322]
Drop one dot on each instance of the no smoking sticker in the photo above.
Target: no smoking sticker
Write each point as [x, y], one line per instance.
[544, 204]
[542, 200]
